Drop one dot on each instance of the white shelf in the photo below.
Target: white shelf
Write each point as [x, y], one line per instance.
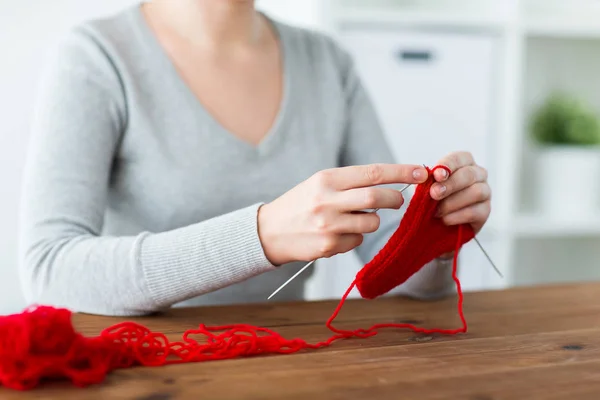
[537, 225]
[562, 28]
[556, 26]
[424, 18]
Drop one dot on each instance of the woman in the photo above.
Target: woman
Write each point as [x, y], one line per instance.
[199, 152]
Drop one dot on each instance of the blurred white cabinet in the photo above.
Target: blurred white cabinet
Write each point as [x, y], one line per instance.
[432, 91]
[434, 94]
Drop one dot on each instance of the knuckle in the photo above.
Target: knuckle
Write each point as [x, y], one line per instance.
[328, 245]
[485, 192]
[370, 198]
[323, 178]
[374, 173]
[481, 192]
[317, 203]
[484, 173]
[467, 156]
[454, 160]
[472, 175]
[322, 224]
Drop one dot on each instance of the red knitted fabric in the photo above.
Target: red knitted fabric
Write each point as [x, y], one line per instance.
[420, 238]
[41, 343]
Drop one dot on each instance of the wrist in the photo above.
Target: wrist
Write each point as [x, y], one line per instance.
[267, 234]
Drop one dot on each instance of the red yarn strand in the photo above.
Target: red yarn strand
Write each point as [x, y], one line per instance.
[41, 343]
[373, 330]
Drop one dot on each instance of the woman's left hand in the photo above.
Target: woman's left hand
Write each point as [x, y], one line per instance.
[464, 195]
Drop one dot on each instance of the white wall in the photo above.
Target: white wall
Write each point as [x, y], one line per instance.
[27, 29]
[312, 14]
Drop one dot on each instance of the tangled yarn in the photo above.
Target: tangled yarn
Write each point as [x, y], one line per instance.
[41, 343]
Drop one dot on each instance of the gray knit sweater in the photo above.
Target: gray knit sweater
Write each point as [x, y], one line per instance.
[136, 199]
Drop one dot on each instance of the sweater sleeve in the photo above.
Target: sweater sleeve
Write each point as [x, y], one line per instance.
[365, 144]
[65, 261]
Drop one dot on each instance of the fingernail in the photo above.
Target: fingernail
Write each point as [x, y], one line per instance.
[441, 190]
[443, 173]
[418, 174]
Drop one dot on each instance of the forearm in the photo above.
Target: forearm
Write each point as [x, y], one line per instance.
[68, 265]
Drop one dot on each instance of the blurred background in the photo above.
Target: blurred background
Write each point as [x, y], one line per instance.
[516, 82]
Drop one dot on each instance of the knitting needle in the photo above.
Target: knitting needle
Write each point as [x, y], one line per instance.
[310, 263]
[291, 279]
[484, 252]
[488, 257]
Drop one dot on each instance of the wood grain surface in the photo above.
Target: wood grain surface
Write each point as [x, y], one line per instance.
[522, 343]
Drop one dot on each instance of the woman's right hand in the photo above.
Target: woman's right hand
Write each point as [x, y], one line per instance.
[323, 216]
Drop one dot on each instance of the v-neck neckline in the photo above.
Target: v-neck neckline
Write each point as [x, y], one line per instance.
[274, 134]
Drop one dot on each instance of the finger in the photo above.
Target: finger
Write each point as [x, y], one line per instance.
[349, 242]
[461, 179]
[345, 178]
[476, 193]
[356, 223]
[368, 198]
[453, 161]
[475, 214]
[341, 244]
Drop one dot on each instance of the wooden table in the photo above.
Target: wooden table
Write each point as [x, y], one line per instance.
[523, 343]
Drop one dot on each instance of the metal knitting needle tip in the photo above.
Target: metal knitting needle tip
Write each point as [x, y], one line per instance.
[291, 279]
[488, 257]
[401, 191]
